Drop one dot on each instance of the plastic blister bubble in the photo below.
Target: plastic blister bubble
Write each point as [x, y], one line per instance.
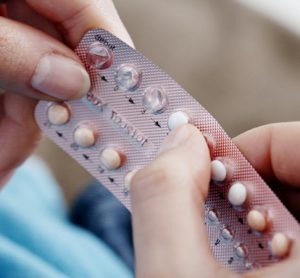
[124, 113]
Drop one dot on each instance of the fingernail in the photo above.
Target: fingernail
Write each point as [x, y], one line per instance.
[61, 77]
[178, 137]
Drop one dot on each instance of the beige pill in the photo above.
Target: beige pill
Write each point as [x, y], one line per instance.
[84, 137]
[58, 114]
[128, 179]
[111, 159]
[280, 245]
[257, 220]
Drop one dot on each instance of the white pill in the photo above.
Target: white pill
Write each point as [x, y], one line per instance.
[280, 245]
[58, 114]
[257, 220]
[111, 159]
[218, 171]
[177, 119]
[84, 136]
[128, 179]
[237, 194]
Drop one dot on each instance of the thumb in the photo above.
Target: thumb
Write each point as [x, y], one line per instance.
[168, 206]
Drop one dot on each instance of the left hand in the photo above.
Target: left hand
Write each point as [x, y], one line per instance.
[30, 31]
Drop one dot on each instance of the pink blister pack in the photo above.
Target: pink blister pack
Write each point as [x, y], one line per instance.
[119, 127]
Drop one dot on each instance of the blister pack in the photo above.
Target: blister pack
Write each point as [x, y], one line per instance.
[119, 127]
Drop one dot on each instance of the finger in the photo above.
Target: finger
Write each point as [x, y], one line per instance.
[274, 151]
[168, 204]
[288, 268]
[34, 64]
[78, 16]
[19, 10]
[19, 133]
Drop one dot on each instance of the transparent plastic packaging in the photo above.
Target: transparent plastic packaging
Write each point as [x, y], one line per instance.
[130, 109]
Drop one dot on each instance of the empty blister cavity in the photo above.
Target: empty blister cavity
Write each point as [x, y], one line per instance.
[58, 114]
[237, 194]
[227, 234]
[280, 245]
[111, 158]
[155, 100]
[257, 220]
[128, 77]
[128, 179]
[241, 251]
[84, 136]
[213, 216]
[251, 265]
[177, 119]
[99, 56]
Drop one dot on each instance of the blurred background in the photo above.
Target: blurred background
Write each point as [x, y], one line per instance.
[243, 66]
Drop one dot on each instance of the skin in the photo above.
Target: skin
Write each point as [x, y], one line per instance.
[30, 30]
[168, 195]
[168, 200]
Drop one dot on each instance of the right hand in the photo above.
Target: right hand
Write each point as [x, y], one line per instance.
[168, 197]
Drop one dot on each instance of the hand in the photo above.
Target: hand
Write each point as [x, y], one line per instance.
[37, 62]
[168, 201]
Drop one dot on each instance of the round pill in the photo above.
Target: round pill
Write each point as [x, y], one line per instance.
[155, 100]
[237, 194]
[280, 245]
[128, 77]
[111, 159]
[177, 119]
[84, 136]
[58, 114]
[257, 220]
[218, 171]
[128, 178]
[99, 56]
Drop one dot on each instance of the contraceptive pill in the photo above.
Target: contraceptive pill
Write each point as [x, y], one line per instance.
[280, 245]
[119, 127]
[128, 179]
[257, 220]
[237, 194]
[111, 158]
[177, 119]
[58, 114]
[84, 136]
[218, 171]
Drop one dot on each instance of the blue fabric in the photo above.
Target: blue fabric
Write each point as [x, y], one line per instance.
[37, 239]
[100, 212]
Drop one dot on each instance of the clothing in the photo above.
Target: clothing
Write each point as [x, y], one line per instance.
[38, 240]
[98, 211]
